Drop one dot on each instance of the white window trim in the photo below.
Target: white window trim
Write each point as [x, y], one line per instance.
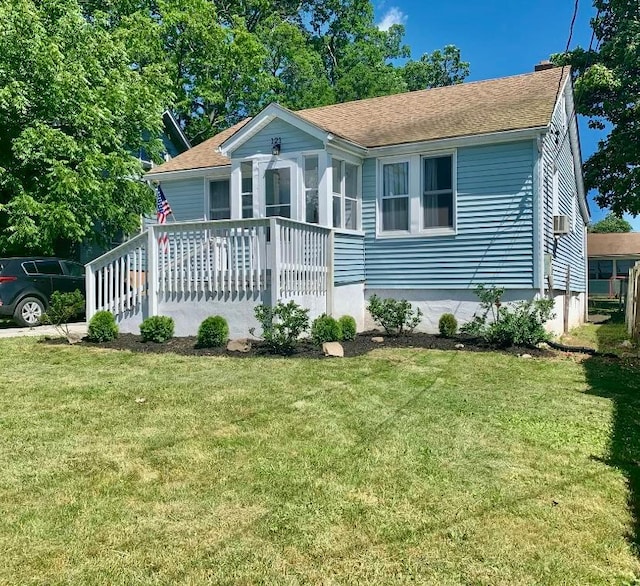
[416, 219]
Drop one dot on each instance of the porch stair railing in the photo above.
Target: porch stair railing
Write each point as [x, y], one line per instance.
[180, 260]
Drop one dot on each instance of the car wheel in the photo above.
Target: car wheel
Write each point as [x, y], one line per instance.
[29, 311]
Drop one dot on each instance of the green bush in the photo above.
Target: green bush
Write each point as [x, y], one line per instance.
[521, 324]
[158, 328]
[103, 327]
[348, 325]
[396, 317]
[448, 325]
[282, 325]
[325, 329]
[63, 308]
[213, 332]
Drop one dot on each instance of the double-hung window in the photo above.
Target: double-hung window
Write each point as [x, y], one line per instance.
[395, 197]
[346, 195]
[219, 200]
[437, 194]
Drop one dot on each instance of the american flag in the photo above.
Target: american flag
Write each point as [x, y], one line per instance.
[163, 209]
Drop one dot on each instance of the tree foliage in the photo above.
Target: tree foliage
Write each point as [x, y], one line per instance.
[607, 89]
[228, 60]
[72, 109]
[611, 223]
[83, 84]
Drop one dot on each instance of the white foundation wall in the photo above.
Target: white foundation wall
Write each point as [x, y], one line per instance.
[349, 300]
[433, 303]
[188, 311]
[577, 311]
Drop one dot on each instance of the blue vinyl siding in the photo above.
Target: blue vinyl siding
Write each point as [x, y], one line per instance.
[348, 259]
[495, 228]
[292, 140]
[567, 251]
[186, 198]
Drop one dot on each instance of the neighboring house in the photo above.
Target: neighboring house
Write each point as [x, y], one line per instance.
[610, 258]
[421, 196]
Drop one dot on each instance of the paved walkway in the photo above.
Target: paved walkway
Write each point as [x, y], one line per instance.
[9, 332]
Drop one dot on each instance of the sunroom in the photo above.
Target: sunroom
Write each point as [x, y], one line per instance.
[281, 220]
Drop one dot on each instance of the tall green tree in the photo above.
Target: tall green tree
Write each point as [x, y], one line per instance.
[610, 224]
[227, 60]
[72, 111]
[440, 68]
[607, 89]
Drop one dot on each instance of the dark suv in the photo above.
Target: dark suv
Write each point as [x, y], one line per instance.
[26, 284]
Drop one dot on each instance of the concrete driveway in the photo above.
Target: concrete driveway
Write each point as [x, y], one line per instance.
[7, 330]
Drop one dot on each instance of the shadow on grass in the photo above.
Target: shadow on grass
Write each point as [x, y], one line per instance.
[619, 381]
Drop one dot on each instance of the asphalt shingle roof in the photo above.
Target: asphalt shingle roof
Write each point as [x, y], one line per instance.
[482, 107]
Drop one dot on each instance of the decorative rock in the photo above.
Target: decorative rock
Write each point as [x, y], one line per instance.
[242, 345]
[543, 346]
[459, 346]
[526, 356]
[626, 344]
[333, 349]
[73, 338]
[378, 339]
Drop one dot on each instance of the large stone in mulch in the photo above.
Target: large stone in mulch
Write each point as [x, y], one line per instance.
[241, 345]
[334, 349]
[377, 339]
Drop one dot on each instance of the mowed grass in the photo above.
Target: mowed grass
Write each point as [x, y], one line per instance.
[403, 466]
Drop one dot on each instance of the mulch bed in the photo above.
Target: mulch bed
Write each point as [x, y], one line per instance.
[358, 347]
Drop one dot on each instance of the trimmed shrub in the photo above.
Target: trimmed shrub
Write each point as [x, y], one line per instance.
[349, 328]
[325, 329]
[213, 332]
[519, 324]
[448, 325]
[157, 328]
[396, 317]
[103, 327]
[63, 308]
[282, 325]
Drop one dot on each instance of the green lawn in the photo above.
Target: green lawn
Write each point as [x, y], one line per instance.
[605, 337]
[403, 466]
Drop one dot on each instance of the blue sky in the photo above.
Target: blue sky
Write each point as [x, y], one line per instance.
[498, 38]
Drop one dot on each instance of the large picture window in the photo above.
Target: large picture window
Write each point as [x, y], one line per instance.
[437, 201]
[395, 197]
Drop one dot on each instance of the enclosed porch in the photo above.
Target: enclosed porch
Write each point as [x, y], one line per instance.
[191, 270]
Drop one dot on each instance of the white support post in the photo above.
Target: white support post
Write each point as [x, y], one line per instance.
[276, 255]
[90, 291]
[152, 271]
[330, 243]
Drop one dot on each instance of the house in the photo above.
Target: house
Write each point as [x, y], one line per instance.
[421, 196]
[610, 258]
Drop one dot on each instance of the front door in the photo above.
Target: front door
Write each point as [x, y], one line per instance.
[278, 179]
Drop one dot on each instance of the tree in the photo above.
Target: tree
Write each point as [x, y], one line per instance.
[437, 69]
[611, 223]
[73, 107]
[607, 89]
[228, 60]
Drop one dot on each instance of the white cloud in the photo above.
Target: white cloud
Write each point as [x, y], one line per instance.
[393, 16]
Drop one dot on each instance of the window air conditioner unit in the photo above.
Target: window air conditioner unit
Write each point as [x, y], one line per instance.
[561, 225]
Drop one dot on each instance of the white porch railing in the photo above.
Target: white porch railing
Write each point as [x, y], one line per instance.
[220, 257]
